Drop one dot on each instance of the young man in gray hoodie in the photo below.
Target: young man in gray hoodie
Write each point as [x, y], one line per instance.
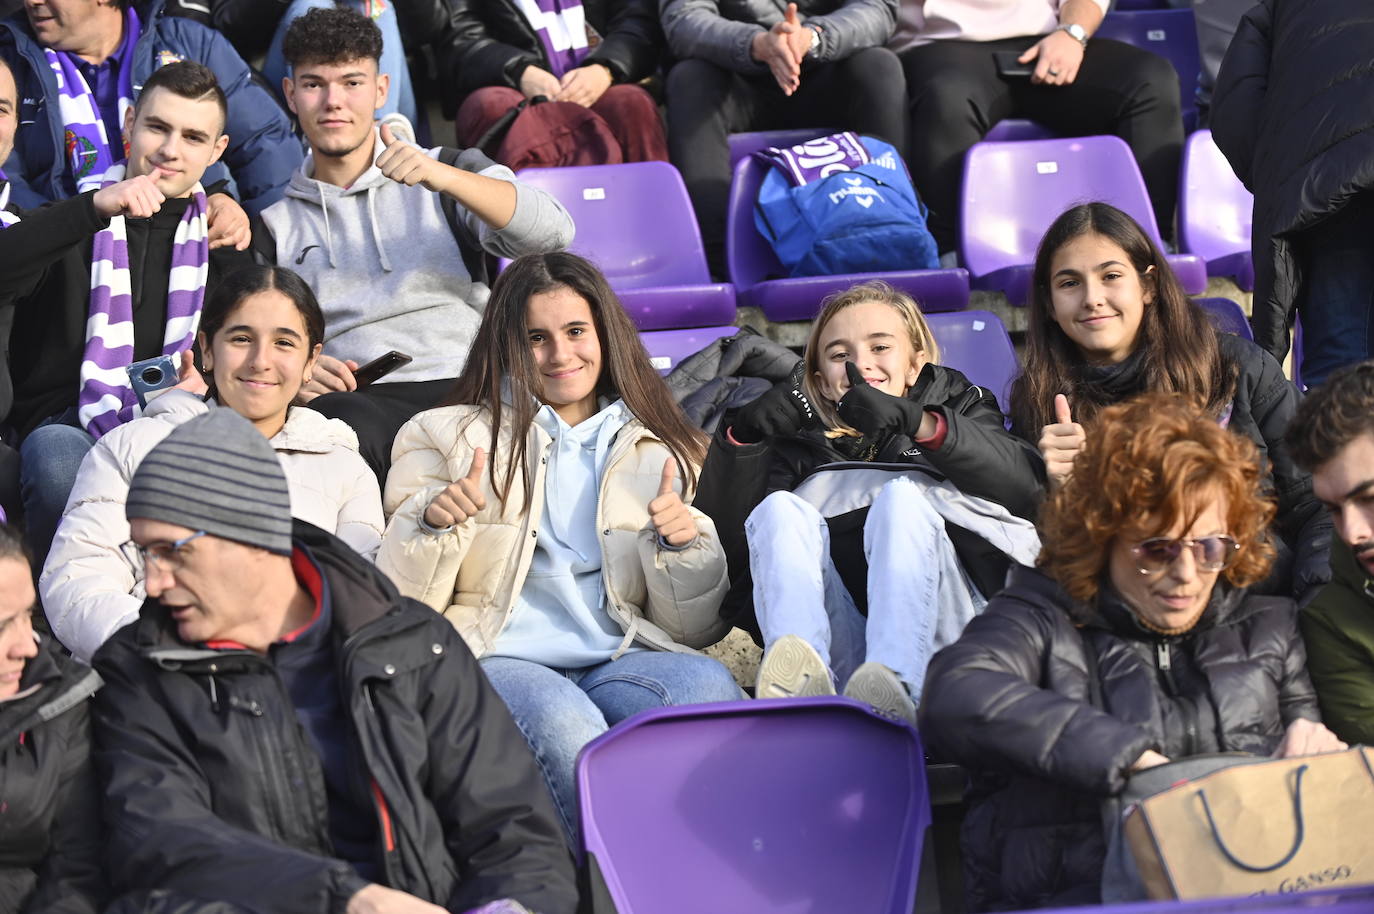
[391, 237]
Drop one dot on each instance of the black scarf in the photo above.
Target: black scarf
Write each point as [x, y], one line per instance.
[1104, 384]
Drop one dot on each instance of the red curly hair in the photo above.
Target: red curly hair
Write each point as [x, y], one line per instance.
[1149, 464]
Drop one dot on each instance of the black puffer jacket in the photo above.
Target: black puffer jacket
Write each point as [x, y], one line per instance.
[1010, 701]
[978, 455]
[50, 841]
[1292, 113]
[213, 791]
[490, 42]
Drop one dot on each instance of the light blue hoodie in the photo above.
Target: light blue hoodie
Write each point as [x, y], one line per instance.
[560, 617]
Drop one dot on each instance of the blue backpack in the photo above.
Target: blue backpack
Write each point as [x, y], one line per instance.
[861, 219]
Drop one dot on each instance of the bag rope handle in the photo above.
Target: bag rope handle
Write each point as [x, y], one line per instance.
[1297, 841]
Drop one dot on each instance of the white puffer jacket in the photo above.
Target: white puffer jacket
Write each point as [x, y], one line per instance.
[90, 590]
[663, 599]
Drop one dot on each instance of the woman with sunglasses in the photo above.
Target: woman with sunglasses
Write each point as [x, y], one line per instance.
[1133, 642]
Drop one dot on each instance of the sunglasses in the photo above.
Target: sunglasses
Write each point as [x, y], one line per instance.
[1210, 553]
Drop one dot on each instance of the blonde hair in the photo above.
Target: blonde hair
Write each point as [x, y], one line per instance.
[917, 330]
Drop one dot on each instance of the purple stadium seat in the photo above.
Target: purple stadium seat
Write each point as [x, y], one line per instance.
[1013, 191]
[1228, 316]
[976, 343]
[1170, 33]
[1014, 129]
[1214, 212]
[770, 807]
[763, 282]
[1126, 5]
[636, 223]
[668, 347]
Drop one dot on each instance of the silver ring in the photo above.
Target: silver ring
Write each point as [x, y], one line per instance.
[1054, 72]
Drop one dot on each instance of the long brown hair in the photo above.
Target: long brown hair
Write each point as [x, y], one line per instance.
[1181, 354]
[501, 353]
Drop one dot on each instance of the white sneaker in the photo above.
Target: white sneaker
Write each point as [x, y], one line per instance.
[877, 686]
[791, 668]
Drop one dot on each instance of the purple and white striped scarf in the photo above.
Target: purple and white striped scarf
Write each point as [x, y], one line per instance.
[562, 28]
[106, 400]
[817, 159]
[90, 152]
[7, 218]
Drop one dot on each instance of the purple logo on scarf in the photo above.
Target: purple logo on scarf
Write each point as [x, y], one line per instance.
[817, 159]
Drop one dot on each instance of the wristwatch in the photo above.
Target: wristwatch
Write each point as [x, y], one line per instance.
[815, 41]
[1076, 31]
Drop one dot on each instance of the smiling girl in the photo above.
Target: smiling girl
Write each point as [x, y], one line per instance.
[835, 491]
[260, 332]
[546, 515]
[1108, 320]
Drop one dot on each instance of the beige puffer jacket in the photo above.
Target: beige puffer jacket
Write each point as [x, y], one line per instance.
[474, 572]
[90, 590]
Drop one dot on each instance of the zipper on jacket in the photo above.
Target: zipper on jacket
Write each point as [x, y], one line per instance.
[1162, 655]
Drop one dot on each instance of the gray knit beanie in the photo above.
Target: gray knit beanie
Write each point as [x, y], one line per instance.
[216, 473]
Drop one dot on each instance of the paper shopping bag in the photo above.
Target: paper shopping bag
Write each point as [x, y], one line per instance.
[1287, 825]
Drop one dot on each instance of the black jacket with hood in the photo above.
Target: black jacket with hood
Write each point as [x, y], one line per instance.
[1292, 113]
[50, 842]
[213, 790]
[1012, 702]
[978, 455]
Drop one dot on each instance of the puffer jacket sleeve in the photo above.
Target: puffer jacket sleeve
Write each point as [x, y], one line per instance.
[686, 586]
[360, 522]
[854, 26]
[422, 565]
[1297, 697]
[984, 707]
[981, 457]
[1238, 99]
[1302, 521]
[471, 57]
[734, 479]
[162, 828]
[89, 589]
[72, 880]
[632, 41]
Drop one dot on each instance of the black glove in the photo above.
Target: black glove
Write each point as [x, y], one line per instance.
[874, 412]
[784, 410]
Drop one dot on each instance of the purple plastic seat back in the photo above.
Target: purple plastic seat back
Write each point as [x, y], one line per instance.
[770, 807]
[1215, 211]
[1014, 129]
[1228, 316]
[1013, 191]
[634, 221]
[745, 144]
[1170, 33]
[977, 343]
[667, 348]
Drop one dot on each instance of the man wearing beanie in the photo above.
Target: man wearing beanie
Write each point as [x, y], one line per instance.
[281, 730]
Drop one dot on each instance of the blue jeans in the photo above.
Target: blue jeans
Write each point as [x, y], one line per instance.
[50, 457]
[1336, 297]
[401, 96]
[560, 711]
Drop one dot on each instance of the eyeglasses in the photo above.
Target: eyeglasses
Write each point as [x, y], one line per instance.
[1210, 553]
[164, 555]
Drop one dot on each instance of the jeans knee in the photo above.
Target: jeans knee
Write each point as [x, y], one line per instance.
[874, 69]
[700, 80]
[54, 452]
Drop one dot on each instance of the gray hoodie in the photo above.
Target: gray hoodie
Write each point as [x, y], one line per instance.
[387, 269]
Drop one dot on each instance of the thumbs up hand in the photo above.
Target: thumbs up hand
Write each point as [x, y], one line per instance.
[1061, 441]
[669, 514]
[462, 499]
[408, 164]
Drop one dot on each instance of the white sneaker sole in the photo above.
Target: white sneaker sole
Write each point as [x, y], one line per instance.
[791, 668]
[877, 686]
